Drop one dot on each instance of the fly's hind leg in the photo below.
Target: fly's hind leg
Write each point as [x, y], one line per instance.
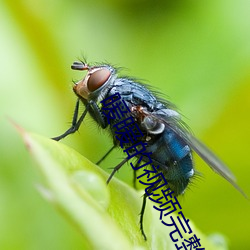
[134, 174]
[142, 214]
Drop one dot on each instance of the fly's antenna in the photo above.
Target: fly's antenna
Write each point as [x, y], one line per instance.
[80, 66]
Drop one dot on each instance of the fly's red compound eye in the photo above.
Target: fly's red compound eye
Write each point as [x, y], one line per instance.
[97, 79]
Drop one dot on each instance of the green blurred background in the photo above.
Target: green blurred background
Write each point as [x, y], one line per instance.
[195, 52]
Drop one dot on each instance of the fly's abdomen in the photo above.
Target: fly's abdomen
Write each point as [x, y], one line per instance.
[174, 157]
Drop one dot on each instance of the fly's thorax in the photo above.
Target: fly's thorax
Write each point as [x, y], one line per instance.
[152, 125]
[154, 122]
[93, 85]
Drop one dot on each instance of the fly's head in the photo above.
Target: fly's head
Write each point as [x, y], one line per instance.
[95, 80]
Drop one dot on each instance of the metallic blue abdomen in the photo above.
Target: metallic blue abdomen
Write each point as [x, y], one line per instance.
[174, 158]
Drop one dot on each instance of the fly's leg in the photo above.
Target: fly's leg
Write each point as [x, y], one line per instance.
[116, 169]
[142, 214]
[134, 179]
[95, 110]
[105, 155]
[75, 124]
[134, 174]
[91, 107]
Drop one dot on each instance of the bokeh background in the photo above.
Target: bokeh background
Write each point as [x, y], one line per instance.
[195, 52]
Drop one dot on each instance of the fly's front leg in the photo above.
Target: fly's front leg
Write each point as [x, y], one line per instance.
[75, 123]
[97, 114]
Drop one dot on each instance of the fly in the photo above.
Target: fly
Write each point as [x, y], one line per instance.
[168, 140]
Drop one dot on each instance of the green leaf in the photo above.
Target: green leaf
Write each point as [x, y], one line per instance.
[106, 215]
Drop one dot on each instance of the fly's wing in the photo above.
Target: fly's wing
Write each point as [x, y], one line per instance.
[174, 123]
[212, 160]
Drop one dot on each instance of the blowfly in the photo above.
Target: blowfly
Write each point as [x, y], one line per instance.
[169, 142]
